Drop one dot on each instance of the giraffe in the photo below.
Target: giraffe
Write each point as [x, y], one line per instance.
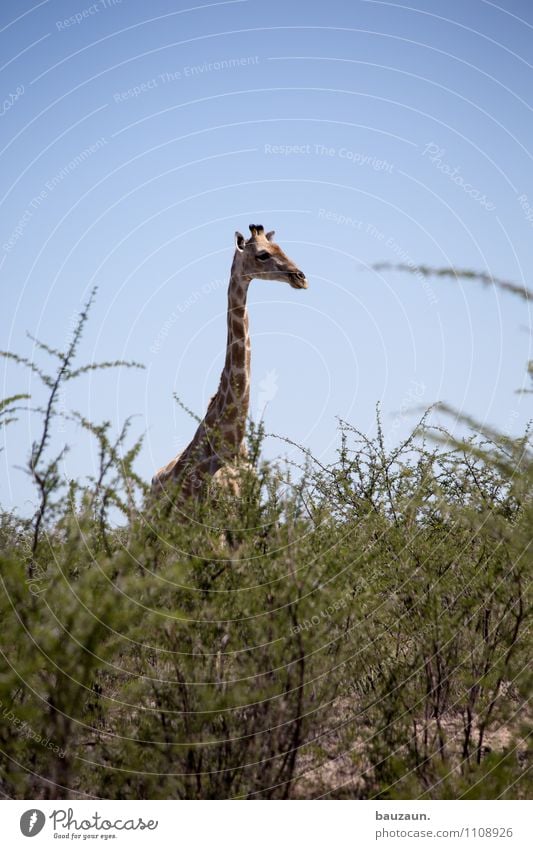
[218, 441]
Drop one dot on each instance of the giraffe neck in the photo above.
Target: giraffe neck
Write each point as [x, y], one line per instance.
[231, 402]
[219, 437]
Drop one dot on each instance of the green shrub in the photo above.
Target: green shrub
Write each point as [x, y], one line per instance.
[356, 630]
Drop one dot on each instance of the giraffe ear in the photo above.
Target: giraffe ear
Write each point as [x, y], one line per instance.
[270, 235]
[240, 241]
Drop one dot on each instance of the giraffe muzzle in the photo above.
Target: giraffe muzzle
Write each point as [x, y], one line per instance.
[298, 280]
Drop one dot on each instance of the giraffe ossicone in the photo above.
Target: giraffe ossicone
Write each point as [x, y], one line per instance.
[219, 438]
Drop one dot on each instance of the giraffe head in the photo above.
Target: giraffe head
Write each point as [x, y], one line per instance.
[260, 257]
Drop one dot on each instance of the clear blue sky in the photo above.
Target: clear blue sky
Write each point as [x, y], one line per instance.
[135, 139]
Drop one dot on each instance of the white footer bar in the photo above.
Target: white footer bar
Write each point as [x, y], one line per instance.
[268, 825]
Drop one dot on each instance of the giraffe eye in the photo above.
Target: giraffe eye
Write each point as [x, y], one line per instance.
[263, 256]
